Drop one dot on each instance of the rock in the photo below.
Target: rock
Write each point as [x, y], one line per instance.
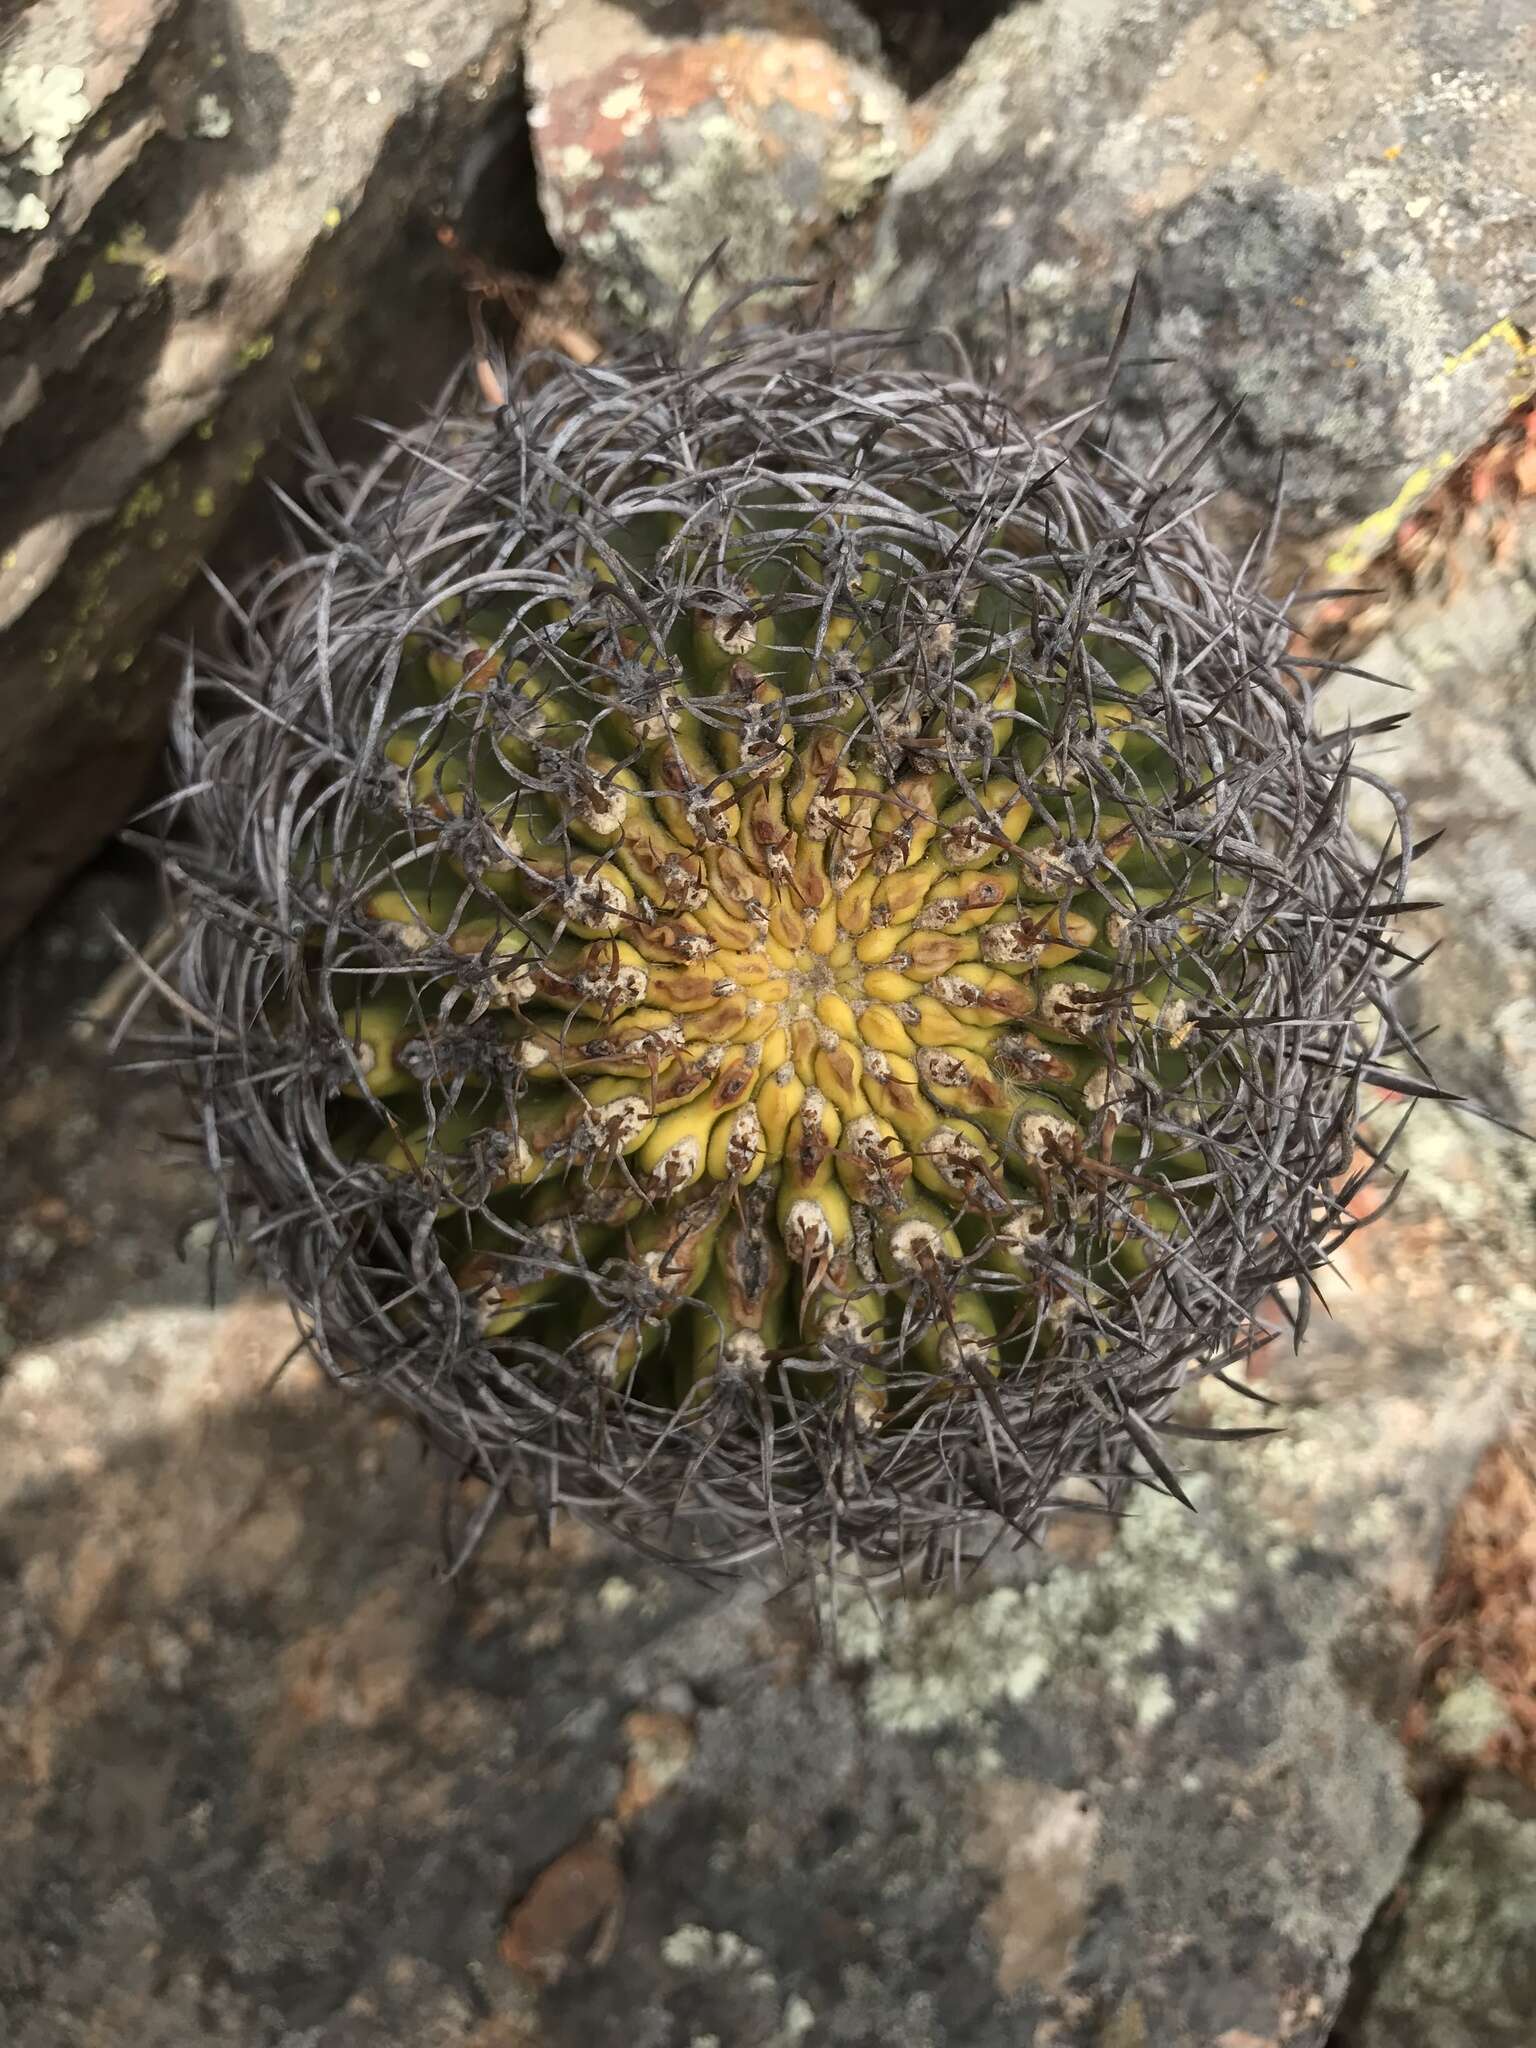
[199, 207]
[1055, 1806]
[99, 1211]
[1460, 1966]
[1468, 1719]
[1324, 200]
[763, 133]
[267, 1776]
[1460, 659]
[570, 1915]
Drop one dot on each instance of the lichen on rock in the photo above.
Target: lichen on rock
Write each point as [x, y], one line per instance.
[41, 105]
[1093, 1629]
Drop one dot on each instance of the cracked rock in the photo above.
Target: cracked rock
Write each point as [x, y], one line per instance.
[1325, 199]
[762, 131]
[202, 205]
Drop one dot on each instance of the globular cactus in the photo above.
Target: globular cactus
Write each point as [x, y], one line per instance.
[776, 951]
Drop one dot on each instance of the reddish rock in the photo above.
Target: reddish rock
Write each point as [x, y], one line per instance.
[570, 1913]
[760, 141]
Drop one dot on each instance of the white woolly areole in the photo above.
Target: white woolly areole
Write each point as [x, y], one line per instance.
[1063, 1004]
[1011, 945]
[604, 810]
[679, 1164]
[1104, 1089]
[843, 1323]
[958, 993]
[1034, 1133]
[806, 1229]
[515, 985]
[595, 900]
[746, 1139]
[963, 1345]
[626, 985]
[941, 1069]
[1025, 1228]
[1049, 870]
[616, 1123]
[915, 1243]
[413, 937]
[955, 1157]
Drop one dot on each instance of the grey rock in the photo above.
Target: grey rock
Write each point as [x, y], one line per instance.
[763, 130]
[268, 1780]
[100, 1211]
[208, 204]
[251, 1738]
[1323, 198]
[1470, 1717]
[1460, 1968]
[1464, 668]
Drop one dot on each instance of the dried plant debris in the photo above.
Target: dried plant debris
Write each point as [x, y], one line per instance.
[774, 950]
[1475, 514]
[1478, 1702]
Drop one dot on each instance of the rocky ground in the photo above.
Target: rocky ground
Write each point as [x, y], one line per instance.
[267, 1775]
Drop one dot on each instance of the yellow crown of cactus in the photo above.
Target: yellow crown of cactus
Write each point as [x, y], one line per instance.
[796, 955]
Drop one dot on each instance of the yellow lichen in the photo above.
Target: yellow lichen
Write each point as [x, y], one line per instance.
[1501, 330]
[144, 503]
[1369, 538]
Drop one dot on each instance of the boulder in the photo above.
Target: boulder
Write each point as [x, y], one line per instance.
[203, 206]
[662, 133]
[1325, 202]
[1458, 1966]
[1459, 659]
[268, 1777]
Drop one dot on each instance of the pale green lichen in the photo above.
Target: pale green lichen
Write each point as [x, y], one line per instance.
[1469, 1717]
[707, 1951]
[719, 191]
[1463, 1968]
[147, 500]
[857, 163]
[21, 215]
[727, 183]
[212, 119]
[941, 1666]
[133, 248]
[691, 1947]
[41, 106]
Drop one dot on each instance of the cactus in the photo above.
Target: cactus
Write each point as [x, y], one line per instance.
[774, 950]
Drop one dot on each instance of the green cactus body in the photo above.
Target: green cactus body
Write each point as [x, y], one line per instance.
[818, 948]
